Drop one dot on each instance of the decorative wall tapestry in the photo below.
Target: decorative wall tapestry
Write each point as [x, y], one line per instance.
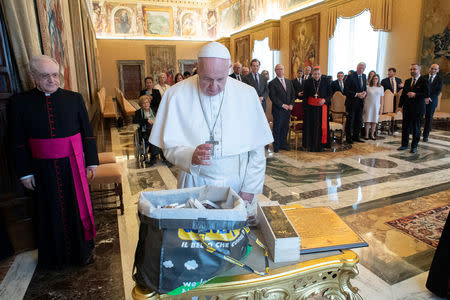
[160, 59]
[56, 38]
[435, 40]
[304, 43]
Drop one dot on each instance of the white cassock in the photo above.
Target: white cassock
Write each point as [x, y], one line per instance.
[241, 130]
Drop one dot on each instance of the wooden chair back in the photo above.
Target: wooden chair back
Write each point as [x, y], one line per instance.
[388, 104]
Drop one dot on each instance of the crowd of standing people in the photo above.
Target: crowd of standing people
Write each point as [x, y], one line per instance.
[364, 101]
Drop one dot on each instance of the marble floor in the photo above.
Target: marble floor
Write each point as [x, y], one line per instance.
[368, 185]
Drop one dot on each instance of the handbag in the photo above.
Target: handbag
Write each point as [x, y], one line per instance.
[183, 248]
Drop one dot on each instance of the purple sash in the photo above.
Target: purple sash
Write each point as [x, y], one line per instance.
[71, 147]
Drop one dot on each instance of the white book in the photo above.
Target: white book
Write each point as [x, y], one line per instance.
[281, 238]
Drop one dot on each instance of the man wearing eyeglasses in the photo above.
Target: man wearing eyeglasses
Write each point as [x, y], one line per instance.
[53, 142]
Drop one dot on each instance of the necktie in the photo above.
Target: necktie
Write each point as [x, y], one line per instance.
[239, 77]
[431, 79]
[256, 80]
[360, 81]
[341, 86]
[413, 82]
[283, 83]
[393, 85]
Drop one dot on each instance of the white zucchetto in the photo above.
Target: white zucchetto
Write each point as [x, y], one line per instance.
[214, 49]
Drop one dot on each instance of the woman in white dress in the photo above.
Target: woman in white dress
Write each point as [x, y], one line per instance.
[372, 106]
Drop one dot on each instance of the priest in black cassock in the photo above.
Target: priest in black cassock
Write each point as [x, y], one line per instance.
[317, 98]
[53, 142]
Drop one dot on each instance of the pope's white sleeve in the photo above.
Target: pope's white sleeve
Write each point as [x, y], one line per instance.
[182, 157]
[256, 171]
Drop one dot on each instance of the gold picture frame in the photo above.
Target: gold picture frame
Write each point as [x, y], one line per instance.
[158, 21]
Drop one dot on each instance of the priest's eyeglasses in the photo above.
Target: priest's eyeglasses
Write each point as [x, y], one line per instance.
[48, 76]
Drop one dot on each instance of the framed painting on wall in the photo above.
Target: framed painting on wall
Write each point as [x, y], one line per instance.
[242, 50]
[56, 35]
[158, 21]
[304, 43]
[434, 40]
[160, 59]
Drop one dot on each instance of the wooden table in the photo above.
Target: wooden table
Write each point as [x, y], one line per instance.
[327, 276]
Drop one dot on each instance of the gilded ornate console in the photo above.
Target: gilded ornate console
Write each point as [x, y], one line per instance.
[328, 276]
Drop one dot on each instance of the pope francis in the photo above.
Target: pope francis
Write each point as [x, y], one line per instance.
[213, 128]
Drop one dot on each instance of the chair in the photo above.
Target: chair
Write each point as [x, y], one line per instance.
[386, 119]
[398, 118]
[296, 121]
[125, 106]
[106, 158]
[338, 114]
[107, 174]
[107, 106]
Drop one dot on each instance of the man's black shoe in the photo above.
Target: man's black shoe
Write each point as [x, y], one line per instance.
[349, 142]
[413, 150]
[402, 148]
[425, 139]
[358, 141]
[287, 148]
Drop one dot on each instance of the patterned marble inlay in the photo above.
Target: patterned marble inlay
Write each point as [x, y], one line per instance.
[378, 163]
[424, 153]
[393, 255]
[441, 138]
[144, 180]
[292, 176]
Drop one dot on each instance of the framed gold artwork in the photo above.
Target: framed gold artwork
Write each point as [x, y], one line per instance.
[242, 50]
[304, 43]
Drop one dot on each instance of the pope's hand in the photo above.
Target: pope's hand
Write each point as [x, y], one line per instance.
[202, 155]
[427, 101]
[29, 183]
[150, 121]
[321, 102]
[90, 171]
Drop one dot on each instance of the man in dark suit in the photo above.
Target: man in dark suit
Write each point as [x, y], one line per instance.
[392, 83]
[258, 81]
[298, 84]
[338, 84]
[355, 90]
[412, 102]
[282, 94]
[435, 88]
[236, 71]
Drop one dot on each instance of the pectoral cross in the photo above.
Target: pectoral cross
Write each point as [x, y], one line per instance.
[212, 142]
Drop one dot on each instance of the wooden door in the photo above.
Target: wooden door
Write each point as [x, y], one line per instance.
[131, 77]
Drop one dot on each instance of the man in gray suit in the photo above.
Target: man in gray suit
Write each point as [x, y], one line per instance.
[258, 81]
